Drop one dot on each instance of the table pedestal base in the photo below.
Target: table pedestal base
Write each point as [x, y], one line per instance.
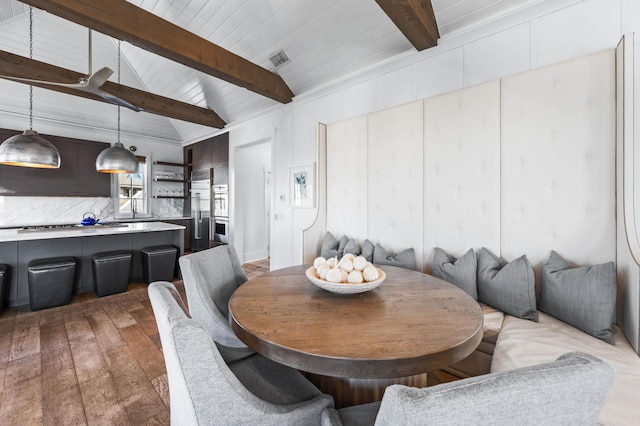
[347, 392]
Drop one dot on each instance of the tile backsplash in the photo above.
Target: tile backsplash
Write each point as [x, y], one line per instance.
[29, 211]
[23, 211]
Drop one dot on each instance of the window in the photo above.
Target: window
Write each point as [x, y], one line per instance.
[132, 200]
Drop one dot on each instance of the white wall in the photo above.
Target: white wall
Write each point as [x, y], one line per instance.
[252, 162]
[546, 33]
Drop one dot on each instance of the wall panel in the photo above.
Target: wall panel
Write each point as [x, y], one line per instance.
[558, 162]
[395, 178]
[462, 170]
[347, 178]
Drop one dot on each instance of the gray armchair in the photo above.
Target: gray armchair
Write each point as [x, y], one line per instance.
[203, 390]
[568, 391]
[210, 278]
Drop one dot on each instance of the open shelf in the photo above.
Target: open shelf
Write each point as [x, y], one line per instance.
[166, 163]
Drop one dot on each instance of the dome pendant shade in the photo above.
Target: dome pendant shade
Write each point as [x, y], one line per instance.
[117, 159]
[29, 150]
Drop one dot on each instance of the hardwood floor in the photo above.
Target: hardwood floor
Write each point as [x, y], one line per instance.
[96, 361]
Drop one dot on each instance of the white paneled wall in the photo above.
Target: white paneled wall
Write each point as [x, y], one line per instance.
[558, 161]
[522, 165]
[395, 178]
[462, 170]
[347, 188]
[504, 53]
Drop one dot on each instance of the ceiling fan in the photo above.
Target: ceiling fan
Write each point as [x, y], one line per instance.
[91, 83]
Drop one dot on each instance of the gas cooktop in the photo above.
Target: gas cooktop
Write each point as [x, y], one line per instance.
[47, 228]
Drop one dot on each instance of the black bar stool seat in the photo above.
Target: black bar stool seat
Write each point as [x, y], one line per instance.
[50, 282]
[158, 263]
[111, 272]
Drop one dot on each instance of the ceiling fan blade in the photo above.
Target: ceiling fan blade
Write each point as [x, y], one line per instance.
[98, 78]
[116, 100]
[80, 85]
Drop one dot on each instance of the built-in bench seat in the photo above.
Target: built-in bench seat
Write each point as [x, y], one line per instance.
[522, 343]
[510, 342]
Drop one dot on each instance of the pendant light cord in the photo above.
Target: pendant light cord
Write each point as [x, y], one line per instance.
[30, 57]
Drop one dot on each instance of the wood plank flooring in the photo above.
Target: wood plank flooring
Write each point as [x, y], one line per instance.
[97, 361]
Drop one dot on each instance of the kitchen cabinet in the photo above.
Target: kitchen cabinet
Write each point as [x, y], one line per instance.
[76, 176]
[220, 150]
[201, 155]
[92, 183]
[18, 249]
[187, 232]
[209, 153]
[9, 257]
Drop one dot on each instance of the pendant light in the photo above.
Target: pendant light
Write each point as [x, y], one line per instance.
[116, 159]
[29, 149]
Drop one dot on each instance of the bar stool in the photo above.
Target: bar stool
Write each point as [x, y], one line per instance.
[3, 279]
[50, 282]
[111, 272]
[158, 263]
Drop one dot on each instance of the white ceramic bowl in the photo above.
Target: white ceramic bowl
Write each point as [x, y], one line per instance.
[344, 288]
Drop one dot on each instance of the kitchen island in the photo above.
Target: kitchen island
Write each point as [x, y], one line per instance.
[18, 246]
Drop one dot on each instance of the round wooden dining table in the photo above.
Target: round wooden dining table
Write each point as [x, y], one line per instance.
[411, 324]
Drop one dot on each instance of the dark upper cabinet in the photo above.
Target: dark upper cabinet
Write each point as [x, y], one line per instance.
[91, 182]
[212, 152]
[76, 176]
[201, 155]
[220, 150]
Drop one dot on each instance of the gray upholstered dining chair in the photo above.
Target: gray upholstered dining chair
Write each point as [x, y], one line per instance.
[204, 390]
[568, 391]
[210, 278]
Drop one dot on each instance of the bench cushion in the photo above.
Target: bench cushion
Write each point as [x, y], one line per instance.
[522, 343]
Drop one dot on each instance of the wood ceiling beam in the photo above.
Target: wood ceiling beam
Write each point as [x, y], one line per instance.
[415, 19]
[125, 21]
[18, 66]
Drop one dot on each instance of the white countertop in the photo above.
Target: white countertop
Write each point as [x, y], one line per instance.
[87, 231]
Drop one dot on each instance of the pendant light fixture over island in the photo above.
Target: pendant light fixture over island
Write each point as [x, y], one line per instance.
[117, 159]
[29, 149]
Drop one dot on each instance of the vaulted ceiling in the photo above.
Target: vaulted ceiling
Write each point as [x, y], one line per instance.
[325, 40]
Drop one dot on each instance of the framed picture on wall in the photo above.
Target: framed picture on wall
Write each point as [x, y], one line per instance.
[302, 181]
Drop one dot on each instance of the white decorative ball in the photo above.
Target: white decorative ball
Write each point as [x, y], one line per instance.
[319, 261]
[355, 277]
[323, 272]
[359, 263]
[370, 273]
[348, 256]
[334, 275]
[346, 265]
[333, 261]
[345, 276]
[321, 267]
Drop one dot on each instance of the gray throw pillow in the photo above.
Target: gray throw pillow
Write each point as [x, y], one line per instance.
[352, 247]
[509, 287]
[341, 246]
[329, 246]
[367, 250]
[460, 272]
[584, 297]
[405, 259]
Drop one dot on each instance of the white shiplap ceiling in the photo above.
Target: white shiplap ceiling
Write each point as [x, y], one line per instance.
[326, 41]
